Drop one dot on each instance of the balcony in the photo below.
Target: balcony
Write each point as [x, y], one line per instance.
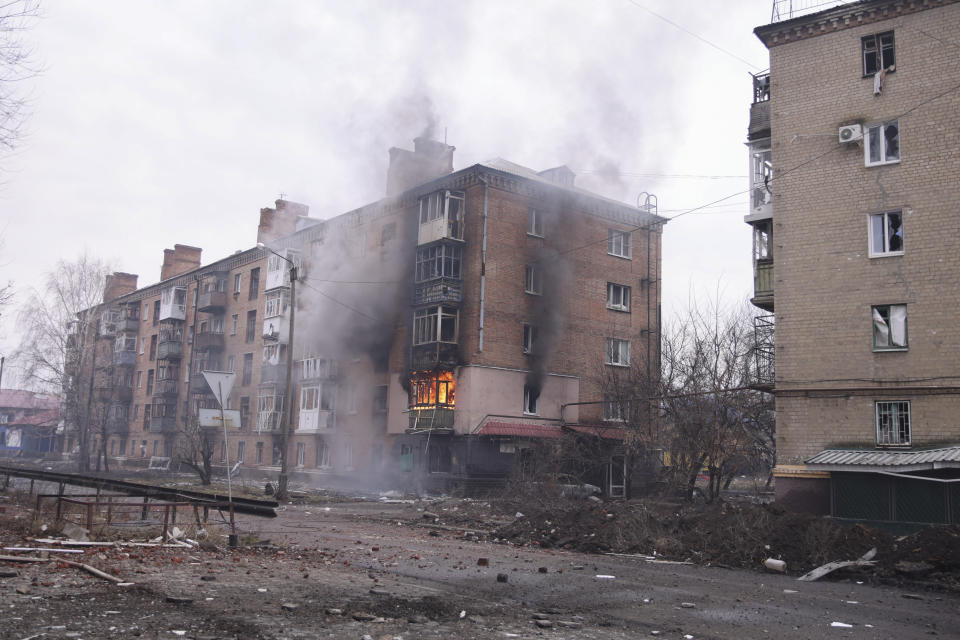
[440, 290]
[114, 393]
[431, 418]
[117, 426]
[268, 420]
[317, 369]
[763, 284]
[169, 387]
[764, 353]
[212, 302]
[209, 341]
[129, 325]
[434, 354]
[198, 384]
[273, 374]
[124, 358]
[316, 421]
[169, 350]
[173, 304]
[277, 328]
[163, 424]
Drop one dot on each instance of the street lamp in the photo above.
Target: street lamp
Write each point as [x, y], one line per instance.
[287, 431]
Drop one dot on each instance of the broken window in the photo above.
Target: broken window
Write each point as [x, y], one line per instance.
[762, 240]
[531, 400]
[761, 177]
[276, 304]
[529, 338]
[438, 261]
[618, 297]
[380, 399]
[237, 279]
[301, 453]
[886, 233]
[893, 422]
[878, 52]
[432, 390]
[259, 453]
[883, 143]
[446, 205]
[309, 398]
[435, 324]
[534, 222]
[618, 352]
[618, 243]
[889, 326]
[533, 281]
[241, 447]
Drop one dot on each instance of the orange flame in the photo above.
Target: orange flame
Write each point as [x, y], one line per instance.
[432, 390]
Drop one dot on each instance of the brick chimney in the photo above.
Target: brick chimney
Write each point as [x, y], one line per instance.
[281, 221]
[119, 284]
[180, 259]
[429, 159]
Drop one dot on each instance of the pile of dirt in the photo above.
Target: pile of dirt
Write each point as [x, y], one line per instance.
[742, 536]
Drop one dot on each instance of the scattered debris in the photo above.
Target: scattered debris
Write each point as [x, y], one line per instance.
[864, 560]
[843, 625]
[501, 577]
[775, 565]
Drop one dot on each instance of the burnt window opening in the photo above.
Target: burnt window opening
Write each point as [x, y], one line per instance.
[438, 261]
[432, 390]
[531, 400]
[878, 52]
[441, 461]
[535, 222]
[388, 233]
[447, 206]
[533, 279]
[435, 324]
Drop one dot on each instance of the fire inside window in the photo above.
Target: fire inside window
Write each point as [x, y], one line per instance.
[432, 390]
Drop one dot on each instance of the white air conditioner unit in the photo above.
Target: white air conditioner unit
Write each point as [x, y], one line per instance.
[851, 133]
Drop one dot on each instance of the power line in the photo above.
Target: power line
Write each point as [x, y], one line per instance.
[332, 299]
[632, 174]
[691, 33]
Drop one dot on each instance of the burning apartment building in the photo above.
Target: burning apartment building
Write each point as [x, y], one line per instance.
[437, 332]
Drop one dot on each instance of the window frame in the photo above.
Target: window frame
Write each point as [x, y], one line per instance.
[871, 234]
[533, 280]
[878, 130]
[877, 49]
[895, 432]
[622, 347]
[885, 312]
[625, 241]
[531, 404]
[614, 410]
[529, 338]
[624, 296]
[535, 222]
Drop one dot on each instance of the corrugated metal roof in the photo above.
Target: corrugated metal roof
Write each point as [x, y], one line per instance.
[888, 459]
[520, 430]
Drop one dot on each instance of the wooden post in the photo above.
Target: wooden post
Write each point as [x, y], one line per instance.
[109, 509]
[143, 512]
[166, 520]
[90, 516]
[59, 501]
[31, 486]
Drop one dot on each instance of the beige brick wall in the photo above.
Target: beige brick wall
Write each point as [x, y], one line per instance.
[825, 282]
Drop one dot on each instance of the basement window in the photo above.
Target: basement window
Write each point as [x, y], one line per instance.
[618, 352]
[886, 234]
[889, 327]
[618, 297]
[531, 401]
[878, 52]
[893, 423]
[533, 280]
[883, 144]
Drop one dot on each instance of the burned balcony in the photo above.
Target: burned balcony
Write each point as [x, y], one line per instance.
[440, 290]
[212, 301]
[269, 409]
[209, 341]
[441, 216]
[437, 354]
[170, 350]
[164, 418]
[109, 322]
[432, 400]
[125, 358]
[273, 373]
[764, 353]
[166, 387]
[317, 369]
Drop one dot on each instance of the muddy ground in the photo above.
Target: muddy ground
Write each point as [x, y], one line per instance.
[332, 567]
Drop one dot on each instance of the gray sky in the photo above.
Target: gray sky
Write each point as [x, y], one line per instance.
[155, 123]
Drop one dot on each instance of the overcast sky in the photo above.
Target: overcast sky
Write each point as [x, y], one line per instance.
[156, 123]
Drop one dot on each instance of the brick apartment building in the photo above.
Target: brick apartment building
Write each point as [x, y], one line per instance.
[28, 423]
[436, 330]
[852, 139]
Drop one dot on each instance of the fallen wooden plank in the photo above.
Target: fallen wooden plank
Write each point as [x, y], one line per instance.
[22, 559]
[92, 571]
[52, 550]
[865, 560]
[84, 543]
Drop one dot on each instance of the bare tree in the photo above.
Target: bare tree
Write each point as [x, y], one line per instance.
[718, 422]
[60, 350]
[194, 449]
[16, 17]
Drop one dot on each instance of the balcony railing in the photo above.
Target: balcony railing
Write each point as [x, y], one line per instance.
[316, 421]
[211, 301]
[429, 356]
[431, 418]
[169, 351]
[209, 341]
[124, 358]
[163, 424]
[440, 290]
[273, 373]
[167, 387]
[764, 352]
[268, 420]
[129, 325]
[763, 279]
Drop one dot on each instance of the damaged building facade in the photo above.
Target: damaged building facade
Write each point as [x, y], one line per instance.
[438, 331]
[853, 172]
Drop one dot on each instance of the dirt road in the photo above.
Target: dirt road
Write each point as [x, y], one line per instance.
[356, 569]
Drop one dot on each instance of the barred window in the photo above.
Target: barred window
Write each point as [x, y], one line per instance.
[893, 423]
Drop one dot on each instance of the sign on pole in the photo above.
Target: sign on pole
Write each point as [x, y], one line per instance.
[220, 382]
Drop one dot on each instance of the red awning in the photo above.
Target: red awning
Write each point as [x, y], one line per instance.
[520, 430]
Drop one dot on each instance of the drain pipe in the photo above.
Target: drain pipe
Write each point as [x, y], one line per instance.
[483, 259]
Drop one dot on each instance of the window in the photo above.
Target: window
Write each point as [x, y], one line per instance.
[251, 325]
[348, 456]
[531, 400]
[247, 369]
[143, 345]
[244, 411]
[254, 283]
[351, 400]
[886, 234]
[150, 382]
[223, 451]
[529, 338]
[147, 413]
[146, 312]
[301, 453]
[883, 144]
[438, 261]
[309, 398]
[156, 312]
[533, 282]
[230, 364]
[323, 455]
[136, 411]
[259, 453]
[276, 304]
[237, 278]
[380, 399]
[139, 379]
[618, 243]
[387, 233]
[234, 323]
[893, 423]
[435, 324]
[618, 352]
[614, 410]
[444, 205]
[153, 347]
[241, 446]
[618, 297]
[889, 326]
[878, 52]
[534, 222]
